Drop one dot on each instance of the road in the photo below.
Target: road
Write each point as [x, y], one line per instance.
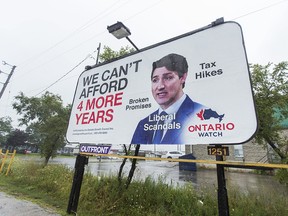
[170, 173]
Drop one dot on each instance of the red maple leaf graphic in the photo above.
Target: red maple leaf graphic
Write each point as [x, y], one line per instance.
[200, 114]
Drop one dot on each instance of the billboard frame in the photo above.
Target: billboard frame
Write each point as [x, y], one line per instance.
[219, 21]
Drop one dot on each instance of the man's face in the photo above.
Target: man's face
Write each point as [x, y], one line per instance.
[167, 86]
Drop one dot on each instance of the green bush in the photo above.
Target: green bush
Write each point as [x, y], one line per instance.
[282, 176]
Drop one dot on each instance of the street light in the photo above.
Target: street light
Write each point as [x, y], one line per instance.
[119, 30]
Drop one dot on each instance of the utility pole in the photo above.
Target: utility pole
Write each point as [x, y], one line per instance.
[8, 78]
[98, 53]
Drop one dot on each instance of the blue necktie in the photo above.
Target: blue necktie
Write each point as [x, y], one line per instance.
[159, 133]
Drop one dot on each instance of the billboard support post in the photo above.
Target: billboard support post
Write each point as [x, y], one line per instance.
[223, 206]
[80, 163]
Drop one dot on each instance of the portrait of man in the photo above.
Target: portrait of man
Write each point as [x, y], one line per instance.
[166, 124]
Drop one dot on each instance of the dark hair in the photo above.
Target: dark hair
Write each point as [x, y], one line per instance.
[172, 62]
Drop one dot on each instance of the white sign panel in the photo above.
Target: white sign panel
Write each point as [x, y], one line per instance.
[200, 81]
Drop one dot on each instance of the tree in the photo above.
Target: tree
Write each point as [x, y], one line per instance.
[108, 54]
[5, 128]
[35, 137]
[270, 87]
[17, 138]
[46, 116]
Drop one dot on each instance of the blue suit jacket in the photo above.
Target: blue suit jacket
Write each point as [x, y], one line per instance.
[173, 136]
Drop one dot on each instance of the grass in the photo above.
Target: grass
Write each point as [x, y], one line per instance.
[103, 195]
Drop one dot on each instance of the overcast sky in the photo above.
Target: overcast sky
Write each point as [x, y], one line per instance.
[47, 39]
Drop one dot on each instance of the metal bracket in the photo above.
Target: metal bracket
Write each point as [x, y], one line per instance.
[218, 21]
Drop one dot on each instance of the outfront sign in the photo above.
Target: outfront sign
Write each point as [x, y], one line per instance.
[94, 149]
[193, 89]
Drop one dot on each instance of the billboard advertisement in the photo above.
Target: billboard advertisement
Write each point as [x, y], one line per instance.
[192, 89]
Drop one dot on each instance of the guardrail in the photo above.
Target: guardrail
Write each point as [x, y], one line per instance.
[4, 157]
[225, 163]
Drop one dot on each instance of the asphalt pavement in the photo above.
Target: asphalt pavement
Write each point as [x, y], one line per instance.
[11, 206]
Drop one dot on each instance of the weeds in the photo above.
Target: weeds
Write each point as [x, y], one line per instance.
[102, 195]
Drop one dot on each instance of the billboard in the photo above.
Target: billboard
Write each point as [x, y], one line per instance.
[200, 80]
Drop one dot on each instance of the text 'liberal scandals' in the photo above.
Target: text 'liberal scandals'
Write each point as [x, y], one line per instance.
[102, 92]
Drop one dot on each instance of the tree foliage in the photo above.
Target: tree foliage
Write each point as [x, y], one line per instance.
[5, 128]
[17, 138]
[109, 54]
[46, 118]
[270, 85]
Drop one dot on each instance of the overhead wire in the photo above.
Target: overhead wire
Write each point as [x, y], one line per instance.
[88, 56]
[89, 40]
[256, 11]
[79, 29]
[92, 21]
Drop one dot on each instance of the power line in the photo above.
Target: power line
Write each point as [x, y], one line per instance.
[90, 22]
[93, 21]
[65, 74]
[86, 25]
[252, 12]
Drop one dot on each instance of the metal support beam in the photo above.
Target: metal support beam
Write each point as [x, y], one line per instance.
[80, 163]
[132, 43]
[223, 206]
